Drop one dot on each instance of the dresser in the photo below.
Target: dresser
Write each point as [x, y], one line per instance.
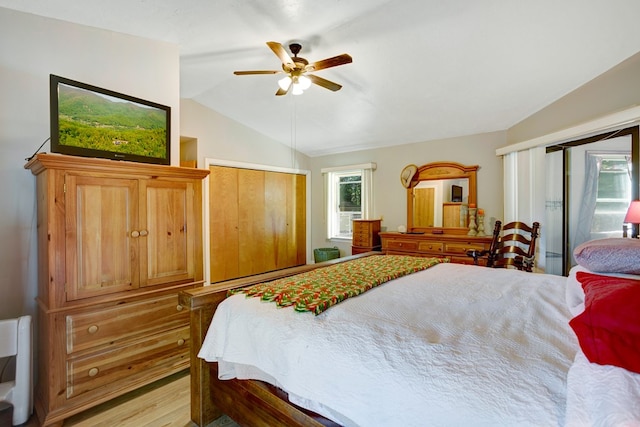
[452, 246]
[365, 236]
[117, 242]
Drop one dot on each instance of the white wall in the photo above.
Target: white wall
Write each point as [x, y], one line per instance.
[613, 91]
[219, 137]
[391, 197]
[31, 48]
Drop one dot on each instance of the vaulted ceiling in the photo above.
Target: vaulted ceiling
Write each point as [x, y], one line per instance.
[422, 69]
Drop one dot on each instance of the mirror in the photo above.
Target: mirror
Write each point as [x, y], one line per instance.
[438, 197]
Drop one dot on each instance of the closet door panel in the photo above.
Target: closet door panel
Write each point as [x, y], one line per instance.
[277, 219]
[297, 222]
[254, 249]
[223, 223]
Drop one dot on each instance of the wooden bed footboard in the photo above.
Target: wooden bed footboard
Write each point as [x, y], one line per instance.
[251, 403]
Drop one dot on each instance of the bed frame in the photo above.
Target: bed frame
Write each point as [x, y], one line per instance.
[248, 402]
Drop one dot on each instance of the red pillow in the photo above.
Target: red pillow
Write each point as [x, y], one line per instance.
[608, 329]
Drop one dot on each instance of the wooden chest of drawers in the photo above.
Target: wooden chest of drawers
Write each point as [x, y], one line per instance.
[117, 242]
[365, 236]
[450, 246]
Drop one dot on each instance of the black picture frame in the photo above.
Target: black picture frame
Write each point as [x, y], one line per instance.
[91, 121]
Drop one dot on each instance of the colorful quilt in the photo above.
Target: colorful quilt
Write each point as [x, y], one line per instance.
[319, 289]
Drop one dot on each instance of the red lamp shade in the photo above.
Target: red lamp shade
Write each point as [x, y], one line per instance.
[633, 214]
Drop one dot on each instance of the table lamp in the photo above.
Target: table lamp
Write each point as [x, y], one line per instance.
[632, 217]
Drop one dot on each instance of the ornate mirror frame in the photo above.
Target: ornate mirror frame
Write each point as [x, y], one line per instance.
[435, 171]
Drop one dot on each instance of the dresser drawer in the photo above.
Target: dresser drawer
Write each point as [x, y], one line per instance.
[362, 226]
[156, 355]
[465, 260]
[124, 322]
[463, 247]
[403, 245]
[362, 239]
[432, 247]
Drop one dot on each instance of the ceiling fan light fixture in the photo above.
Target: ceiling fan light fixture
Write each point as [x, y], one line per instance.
[297, 89]
[304, 82]
[284, 83]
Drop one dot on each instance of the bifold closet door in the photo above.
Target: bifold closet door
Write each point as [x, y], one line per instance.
[257, 221]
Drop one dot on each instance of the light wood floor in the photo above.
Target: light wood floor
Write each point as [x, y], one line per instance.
[164, 403]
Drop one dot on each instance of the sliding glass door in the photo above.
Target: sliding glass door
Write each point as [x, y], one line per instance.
[591, 183]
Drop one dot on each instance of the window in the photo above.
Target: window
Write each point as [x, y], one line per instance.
[348, 197]
[613, 197]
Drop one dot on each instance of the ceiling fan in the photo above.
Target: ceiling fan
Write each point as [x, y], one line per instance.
[298, 69]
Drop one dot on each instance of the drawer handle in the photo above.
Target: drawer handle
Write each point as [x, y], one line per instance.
[179, 307]
[92, 329]
[135, 233]
[93, 372]
[143, 232]
[181, 341]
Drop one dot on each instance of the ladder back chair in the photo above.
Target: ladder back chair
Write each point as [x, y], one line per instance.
[515, 246]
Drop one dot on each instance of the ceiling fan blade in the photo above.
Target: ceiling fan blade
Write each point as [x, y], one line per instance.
[281, 53]
[244, 73]
[330, 62]
[324, 82]
[281, 91]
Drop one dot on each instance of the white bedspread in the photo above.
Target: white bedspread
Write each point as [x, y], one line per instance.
[453, 345]
[602, 396]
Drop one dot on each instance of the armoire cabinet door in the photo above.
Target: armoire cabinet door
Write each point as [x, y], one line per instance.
[101, 243]
[169, 244]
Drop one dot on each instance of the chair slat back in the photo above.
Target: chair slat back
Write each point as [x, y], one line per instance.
[514, 245]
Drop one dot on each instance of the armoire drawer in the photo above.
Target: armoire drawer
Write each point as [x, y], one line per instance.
[124, 322]
[155, 355]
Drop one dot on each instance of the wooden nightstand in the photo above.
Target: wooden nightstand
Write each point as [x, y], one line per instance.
[365, 236]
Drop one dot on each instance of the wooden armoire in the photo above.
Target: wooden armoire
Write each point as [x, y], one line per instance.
[117, 241]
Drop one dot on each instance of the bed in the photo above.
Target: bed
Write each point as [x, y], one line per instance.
[449, 344]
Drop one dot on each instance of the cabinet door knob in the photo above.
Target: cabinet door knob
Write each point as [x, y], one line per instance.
[92, 329]
[143, 232]
[135, 233]
[93, 372]
[179, 307]
[180, 341]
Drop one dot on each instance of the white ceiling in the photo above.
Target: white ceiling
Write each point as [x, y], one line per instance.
[422, 69]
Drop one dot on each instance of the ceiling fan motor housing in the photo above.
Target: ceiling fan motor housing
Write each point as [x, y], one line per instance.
[299, 61]
[295, 48]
